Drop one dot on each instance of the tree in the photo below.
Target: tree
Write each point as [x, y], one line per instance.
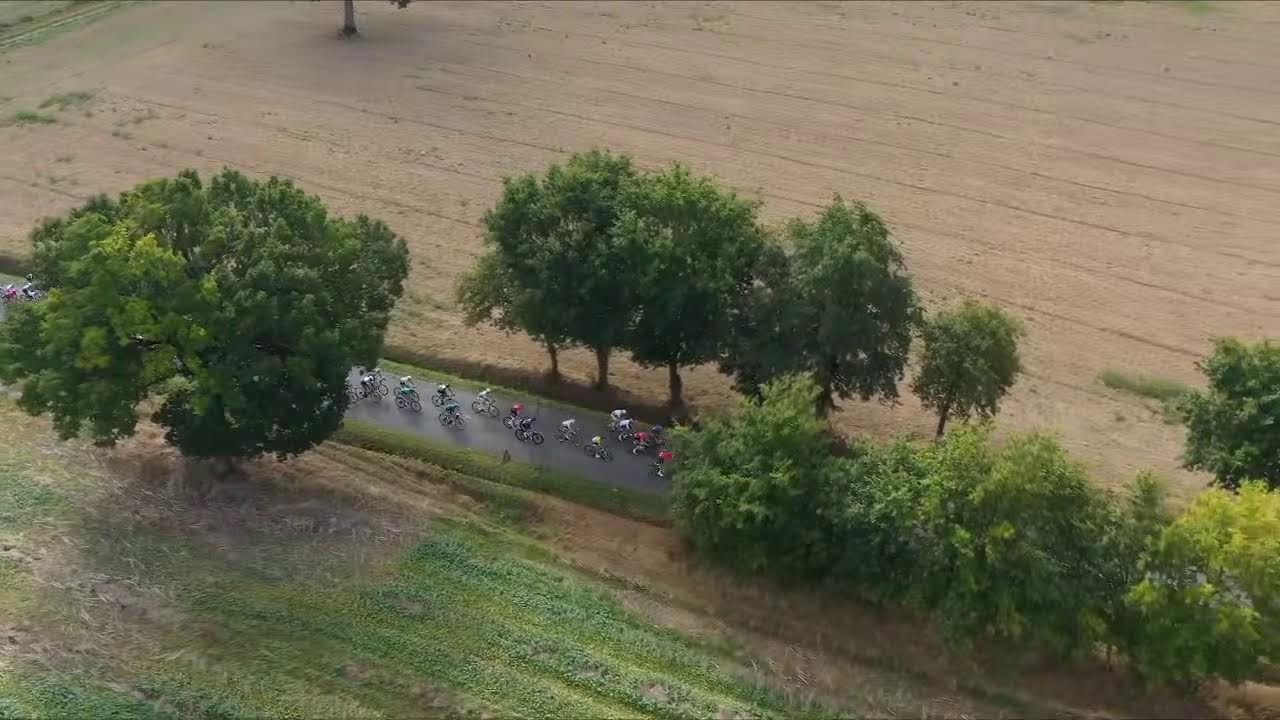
[1233, 428]
[1208, 604]
[487, 293]
[970, 361]
[240, 305]
[349, 15]
[698, 246]
[552, 240]
[844, 310]
[751, 485]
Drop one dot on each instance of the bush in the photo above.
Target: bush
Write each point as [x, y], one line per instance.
[751, 486]
[1209, 602]
[1233, 428]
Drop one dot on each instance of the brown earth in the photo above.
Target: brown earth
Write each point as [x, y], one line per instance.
[1109, 171]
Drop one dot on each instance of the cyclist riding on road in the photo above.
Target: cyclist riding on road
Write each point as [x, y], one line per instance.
[483, 398]
[644, 439]
[368, 381]
[516, 410]
[616, 416]
[406, 385]
[625, 424]
[452, 408]
[597, 443]
[443, 390]
[566, 427]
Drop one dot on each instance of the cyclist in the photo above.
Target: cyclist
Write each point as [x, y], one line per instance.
[367, 381]
[443, 390]
[567, 429]
[526, 423]
[643, 439]
[406, 385]
[596, 444]
[452, 407]
[624, 425]
[616, 417]
[516, 410]
[664, 457]
[483, 398]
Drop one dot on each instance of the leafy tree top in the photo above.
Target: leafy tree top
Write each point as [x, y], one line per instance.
[1233, 427]
[970, 360]
[241, 304]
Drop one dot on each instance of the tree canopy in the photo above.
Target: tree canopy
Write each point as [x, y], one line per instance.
[552, 240]
[844, 310]
[240, 305]
[1233, 427]
[970, 361]
[698, 247]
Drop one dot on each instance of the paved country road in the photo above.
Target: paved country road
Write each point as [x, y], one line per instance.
[488, 434]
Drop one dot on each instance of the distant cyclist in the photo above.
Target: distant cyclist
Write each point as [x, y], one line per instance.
[624, 425]
[597, 443]
[567, 428]
[443, 391]
[452, 407]
[616, 417]
[483, 398]
[516, 410]
[406, 385]
[526, 423]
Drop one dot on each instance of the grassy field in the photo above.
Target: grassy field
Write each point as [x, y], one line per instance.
[349, 583]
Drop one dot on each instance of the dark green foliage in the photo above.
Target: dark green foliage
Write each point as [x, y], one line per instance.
[1233, 428]
[751, 486]
[970, 361]
[843, 309]
[698, 247]
[241, 304]
[552, 244]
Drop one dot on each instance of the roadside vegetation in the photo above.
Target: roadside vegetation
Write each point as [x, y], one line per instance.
[228, 313]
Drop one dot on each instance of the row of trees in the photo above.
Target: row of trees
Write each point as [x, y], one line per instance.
[680, 271]
[1014, 541]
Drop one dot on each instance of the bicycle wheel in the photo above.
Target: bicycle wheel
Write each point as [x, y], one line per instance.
[606, 455]
[414, 405]
[479, 407]
[382, 389]
[400, 402]
[520, 435]
[491, 409]
[353, 396]
[459, 422]
[536, 437]
[445, 419]
[437, 401]
[589, 450]
[509, 422]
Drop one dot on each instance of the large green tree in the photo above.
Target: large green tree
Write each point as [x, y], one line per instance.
[551, 239]
[698, 247]
[970, 361]
[1233, 427]
[240, 305]
[844, 310]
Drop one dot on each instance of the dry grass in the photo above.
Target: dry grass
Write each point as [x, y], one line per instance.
[1118, 194]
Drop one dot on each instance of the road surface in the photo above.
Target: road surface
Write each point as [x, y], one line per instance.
[487, 433]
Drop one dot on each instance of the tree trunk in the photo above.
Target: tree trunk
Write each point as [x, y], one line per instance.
[554, 352]
[602, 367]
[348, 18]
[675, 384]
[943, 412]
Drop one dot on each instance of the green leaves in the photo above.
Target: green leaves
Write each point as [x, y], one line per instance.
[1209, 602]
[698, 246]
[1233, 428]
[245, 290]
[970, 361]
[842, 308]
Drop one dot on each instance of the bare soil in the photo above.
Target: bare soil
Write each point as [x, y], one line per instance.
[1108, 171]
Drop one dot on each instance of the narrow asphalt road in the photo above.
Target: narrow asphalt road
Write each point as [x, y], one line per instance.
[487, 433]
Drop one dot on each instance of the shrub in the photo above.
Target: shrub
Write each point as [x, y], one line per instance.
[1233, 428]
[1208, 604]
[751, 486]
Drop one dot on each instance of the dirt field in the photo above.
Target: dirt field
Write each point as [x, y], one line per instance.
[1109, 171]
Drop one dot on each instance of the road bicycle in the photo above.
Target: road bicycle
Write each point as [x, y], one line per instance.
[485, 408]
[529, 435]
[570, 436]
[454, 420]
[408, 402]
[598, 452]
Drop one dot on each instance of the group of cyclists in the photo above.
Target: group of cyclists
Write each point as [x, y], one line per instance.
[620, 422]
[27, 293]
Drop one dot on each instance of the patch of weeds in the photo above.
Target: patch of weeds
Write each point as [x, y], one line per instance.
[66, 100]
[23, 501]
[29, 117]
[1169, 394]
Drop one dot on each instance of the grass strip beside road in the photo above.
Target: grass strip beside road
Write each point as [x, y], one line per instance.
[619, 501]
